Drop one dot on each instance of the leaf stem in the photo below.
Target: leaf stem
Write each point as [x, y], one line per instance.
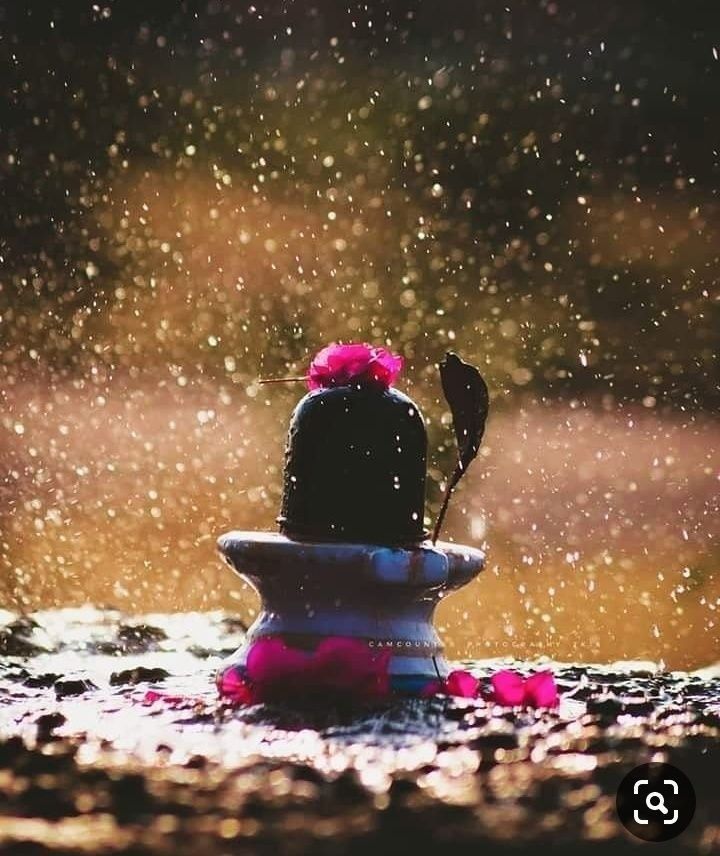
[452, 482]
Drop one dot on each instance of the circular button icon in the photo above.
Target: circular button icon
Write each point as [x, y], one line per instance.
[655, 802]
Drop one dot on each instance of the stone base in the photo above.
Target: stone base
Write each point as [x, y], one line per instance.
[383, 595]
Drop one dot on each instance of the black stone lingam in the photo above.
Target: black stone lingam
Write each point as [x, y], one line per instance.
[350, 559]
[355, 467]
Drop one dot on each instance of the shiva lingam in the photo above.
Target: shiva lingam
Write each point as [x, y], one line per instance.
[350, 583]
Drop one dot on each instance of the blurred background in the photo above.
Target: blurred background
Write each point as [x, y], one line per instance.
[198, 194]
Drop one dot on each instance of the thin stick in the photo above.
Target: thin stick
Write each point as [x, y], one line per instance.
[452, 481]
[280, 379]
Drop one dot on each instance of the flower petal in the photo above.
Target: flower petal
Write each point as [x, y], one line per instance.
[351, 666]
[270, 662]
[508, 688]
[541, 690]
[384, 366]
[345, 665]
[461, 683]
[336, 365]
[174, 701]
[232, 686]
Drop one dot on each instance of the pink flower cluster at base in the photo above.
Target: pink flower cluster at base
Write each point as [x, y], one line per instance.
[339, 666]
[343, 667]
[337, 365]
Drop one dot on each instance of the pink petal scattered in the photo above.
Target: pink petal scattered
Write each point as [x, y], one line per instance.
[155, 696]
[541, 690]
[336, 365]
[461, 683]
[511, 689]
[151, 696]
[233, 687]
[508, 688]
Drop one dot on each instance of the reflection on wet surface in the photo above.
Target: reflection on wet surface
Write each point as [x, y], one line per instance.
[112, 740]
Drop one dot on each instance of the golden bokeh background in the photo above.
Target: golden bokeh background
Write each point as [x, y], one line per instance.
[192, 202]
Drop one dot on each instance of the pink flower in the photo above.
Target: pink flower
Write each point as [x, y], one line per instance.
[463, 684]
[272, 664]
[458, 683]
[511, 690]
[338, 365]
[350, 666]
[276, 671]
[233, 687]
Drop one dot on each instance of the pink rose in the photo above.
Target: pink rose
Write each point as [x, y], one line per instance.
[234, 688]
[338, 365]
[511, 690]
[459, 683]
[508, 688]
[276, 671]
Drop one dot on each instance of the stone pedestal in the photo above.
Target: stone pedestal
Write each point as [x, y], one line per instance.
[383, 595]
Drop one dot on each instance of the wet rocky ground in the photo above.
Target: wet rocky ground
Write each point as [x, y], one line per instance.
[112, 740]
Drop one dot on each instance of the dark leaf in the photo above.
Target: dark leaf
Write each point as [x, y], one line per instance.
[467, 394]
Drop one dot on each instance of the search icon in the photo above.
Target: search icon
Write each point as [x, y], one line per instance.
[656, 802]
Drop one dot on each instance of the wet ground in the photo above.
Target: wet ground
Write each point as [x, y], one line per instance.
[112, 741]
